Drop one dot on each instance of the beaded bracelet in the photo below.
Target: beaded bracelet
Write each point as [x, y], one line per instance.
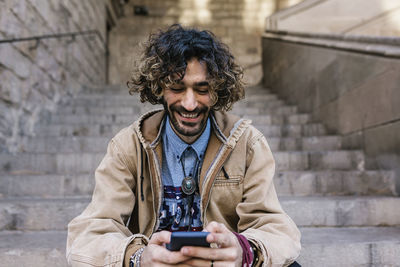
[135, 258]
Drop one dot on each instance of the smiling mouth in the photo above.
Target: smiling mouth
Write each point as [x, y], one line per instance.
[189, 115]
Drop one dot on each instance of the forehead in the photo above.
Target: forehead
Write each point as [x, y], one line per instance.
[195, 71]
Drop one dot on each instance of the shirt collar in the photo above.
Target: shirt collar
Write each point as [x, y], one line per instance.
[178, 146]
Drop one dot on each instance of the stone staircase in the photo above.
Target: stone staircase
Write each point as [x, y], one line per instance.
[347, 215]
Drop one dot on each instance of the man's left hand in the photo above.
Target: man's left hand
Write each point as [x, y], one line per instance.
[228, 251]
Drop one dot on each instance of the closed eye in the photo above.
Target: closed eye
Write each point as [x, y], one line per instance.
[202, 90]
[177, 88]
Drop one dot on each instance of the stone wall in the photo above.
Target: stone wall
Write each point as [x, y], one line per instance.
[351, 86]
[36, 75]
[239, 23]
[355, 17]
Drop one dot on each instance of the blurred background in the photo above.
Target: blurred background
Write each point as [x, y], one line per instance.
[326, 72]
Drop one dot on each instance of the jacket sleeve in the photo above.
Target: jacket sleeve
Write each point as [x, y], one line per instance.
[99, 236]
[262, 220]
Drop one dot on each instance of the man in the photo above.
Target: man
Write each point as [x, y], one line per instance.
[188, 167]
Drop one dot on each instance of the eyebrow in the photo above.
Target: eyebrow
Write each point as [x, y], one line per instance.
[203, 83]
[199, 84]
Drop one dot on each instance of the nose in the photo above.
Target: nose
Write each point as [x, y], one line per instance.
[189, 100]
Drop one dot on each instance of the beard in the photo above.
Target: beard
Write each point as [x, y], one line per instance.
[186, 128]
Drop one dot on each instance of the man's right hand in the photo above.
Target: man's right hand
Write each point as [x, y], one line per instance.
[155, 253]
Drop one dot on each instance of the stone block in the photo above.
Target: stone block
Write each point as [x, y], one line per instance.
[383, 139]
[46, 186]
[270, 130]
[9, 81]
[10, 25]
[370, 104]
[342, 160]
[64, 144]
[353, 141]
[9, 57]
[39, 214]
[313, 183]
[342, 211]
[291, 161]
[348, 91]
[357, 246]
[43, 8]
[347, 72]
[321, 143]
[60, 163]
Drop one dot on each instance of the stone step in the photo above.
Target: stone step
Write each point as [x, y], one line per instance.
[39, 213]
[94, 110]
[46, 185]
[282, 110]
[259, 97]
[37, 248]
[365, 246]
[319, 160]
[86, 119]
[42, 163]
[83, 162]
[254, 103]
[129, 118]
[109, 130]
[315, 143]
[266, 119]
[66, 144]
[342, 211]
[287, 183]
[348, 247]
[55, 213]
[331, 183]
[291, 130]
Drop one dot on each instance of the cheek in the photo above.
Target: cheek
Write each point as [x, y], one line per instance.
[205, 100]
[170, 100]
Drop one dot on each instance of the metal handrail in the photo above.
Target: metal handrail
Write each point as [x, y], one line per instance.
[56, 35]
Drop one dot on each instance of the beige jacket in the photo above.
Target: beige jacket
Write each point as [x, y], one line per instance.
[127, 197]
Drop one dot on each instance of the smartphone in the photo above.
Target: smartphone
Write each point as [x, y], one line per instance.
[181, 239]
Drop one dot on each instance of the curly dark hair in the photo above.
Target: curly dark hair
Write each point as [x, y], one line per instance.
[167, 52]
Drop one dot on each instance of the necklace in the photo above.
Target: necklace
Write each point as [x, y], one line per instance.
[189, 184]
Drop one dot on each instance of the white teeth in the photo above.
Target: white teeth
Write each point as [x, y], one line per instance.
[189, 115]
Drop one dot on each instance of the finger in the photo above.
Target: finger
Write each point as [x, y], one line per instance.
[156, 253]
[214, 227]
[199, 262]
[170, 265]
[160, 238]
[220, 254]
[225, 239]
[208, 263]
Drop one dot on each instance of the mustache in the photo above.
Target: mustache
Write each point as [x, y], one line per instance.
[181, 109]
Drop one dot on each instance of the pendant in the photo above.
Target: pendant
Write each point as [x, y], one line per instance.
[188, 185]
